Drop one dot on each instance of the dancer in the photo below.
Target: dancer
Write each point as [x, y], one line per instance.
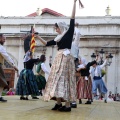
[84, 85]
[61, 84]
[75, 44]
[40, 75]
[27, 84]
[98, 81]
[27, 42]
[4, 56]
[75, 53]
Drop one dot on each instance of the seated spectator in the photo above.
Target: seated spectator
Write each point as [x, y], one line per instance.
[10, 92]
[113, 97]
[117, 97]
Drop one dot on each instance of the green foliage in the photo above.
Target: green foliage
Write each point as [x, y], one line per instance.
[3, 93]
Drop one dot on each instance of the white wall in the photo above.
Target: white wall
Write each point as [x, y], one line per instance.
[97, 32]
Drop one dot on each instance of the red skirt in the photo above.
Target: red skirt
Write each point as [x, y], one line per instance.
[84, 88]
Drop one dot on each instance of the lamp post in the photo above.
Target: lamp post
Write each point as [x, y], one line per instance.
[110, 59]
[101, 56]
[102, 53]
[93, 56]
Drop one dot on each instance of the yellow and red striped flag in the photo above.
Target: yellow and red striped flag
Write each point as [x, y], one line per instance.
[32, 44]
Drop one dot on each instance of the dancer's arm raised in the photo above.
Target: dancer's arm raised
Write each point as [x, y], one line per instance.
[74, 10]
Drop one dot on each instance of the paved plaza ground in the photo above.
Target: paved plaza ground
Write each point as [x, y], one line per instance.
[16, 109]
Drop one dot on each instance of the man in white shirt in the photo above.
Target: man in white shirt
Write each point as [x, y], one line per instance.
[4, 56]
[75, 52]
[75, 44]
[96, 74]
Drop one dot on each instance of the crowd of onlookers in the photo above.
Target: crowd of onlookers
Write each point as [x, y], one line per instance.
[114, 97]
[111, 97]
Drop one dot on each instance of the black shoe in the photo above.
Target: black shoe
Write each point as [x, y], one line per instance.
[41, 93]
[73, 105]
[88, 102]
[22, 98]
[35, 98]
[80, 101]
[2, 100]
[105, 101]
[26, 98]
[65, 109]
[56, 107]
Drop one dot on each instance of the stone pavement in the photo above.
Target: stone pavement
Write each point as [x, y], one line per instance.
[16, 109]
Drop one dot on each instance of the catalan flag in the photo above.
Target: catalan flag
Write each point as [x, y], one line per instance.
[32, 43]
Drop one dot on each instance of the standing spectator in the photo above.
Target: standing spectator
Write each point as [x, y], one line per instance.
[4, 56]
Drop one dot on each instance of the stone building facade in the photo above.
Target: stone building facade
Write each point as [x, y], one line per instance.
[96, 33]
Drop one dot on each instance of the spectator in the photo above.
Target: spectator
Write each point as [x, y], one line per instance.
[10, 92]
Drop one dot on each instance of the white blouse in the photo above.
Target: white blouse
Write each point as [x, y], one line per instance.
[101, 66]
[44, 68]
[75, 43]
[5, 55]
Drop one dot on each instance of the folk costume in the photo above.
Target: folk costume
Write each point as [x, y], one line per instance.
[61, 82]
[27, 84]
[27, 41]
[40, 75]
[75, 43]
[75, 53]
[98, 81]
[84, 84]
